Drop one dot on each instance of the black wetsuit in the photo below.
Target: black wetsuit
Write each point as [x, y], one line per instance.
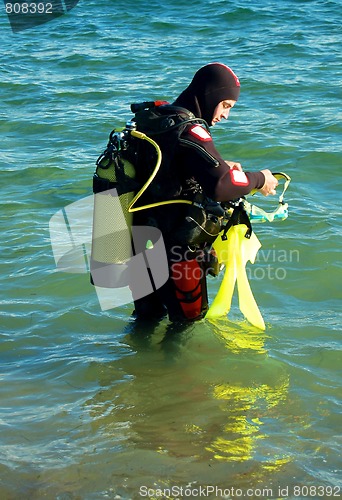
[195, 164]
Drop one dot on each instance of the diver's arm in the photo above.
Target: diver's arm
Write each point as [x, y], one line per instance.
[199, 158]
[232, 183]
[270, 181]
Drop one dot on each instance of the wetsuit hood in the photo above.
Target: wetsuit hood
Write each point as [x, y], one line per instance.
[210, 85]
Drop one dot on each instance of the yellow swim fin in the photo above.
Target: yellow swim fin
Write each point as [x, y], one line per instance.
[225, 251]
[234, 253]
[248, 249]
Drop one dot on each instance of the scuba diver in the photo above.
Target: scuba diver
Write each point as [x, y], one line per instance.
[197, 169]
[192, 170]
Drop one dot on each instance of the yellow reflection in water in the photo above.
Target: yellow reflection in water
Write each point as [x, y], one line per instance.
[210, 394]
[237, 340]
[242, 431]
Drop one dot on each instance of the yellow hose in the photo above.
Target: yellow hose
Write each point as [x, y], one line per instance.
[140, 135]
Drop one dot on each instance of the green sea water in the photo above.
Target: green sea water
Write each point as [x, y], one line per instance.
[93, 406]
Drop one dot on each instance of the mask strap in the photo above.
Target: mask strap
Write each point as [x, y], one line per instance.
[279, 176]
[257, 214]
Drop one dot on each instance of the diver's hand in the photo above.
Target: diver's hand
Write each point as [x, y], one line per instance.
[270, 183]
[234, 165]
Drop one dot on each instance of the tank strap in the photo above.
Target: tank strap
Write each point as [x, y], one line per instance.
[100, 184]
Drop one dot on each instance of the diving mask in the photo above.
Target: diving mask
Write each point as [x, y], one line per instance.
[257, 214]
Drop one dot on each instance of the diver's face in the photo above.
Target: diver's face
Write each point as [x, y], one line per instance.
[222, 111]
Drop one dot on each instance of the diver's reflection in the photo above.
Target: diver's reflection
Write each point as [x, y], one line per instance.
[191, 391]
[171, 337]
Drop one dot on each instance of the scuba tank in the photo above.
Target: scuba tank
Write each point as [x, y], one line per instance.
[114, 188]
[117, 189]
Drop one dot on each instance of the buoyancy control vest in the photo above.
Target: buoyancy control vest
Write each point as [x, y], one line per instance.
[134, 173]
[165, 124]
